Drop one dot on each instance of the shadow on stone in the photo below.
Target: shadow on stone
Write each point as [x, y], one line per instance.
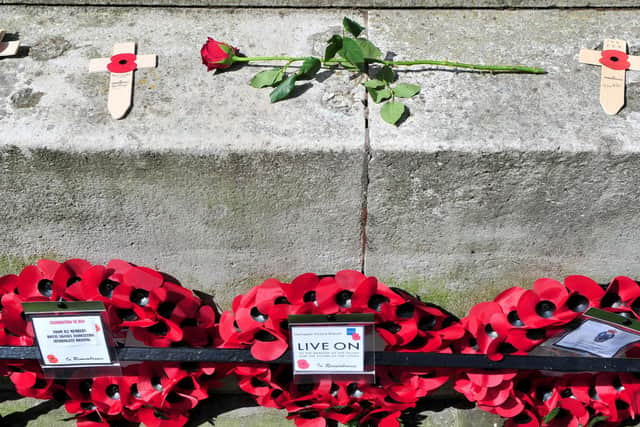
[211, 408]
[20, 419]
[414, 417]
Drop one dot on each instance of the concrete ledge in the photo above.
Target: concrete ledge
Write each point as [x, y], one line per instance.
[494, 181]
[48, 99]
[360, 4]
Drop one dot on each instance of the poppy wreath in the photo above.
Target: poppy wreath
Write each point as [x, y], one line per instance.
[151, 305]
[258, 320]
[518, 320]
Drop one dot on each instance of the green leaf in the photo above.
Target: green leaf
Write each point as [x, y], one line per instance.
[284, 89]
[333, 46]
[596, 420]
[369, 50]
[309, 67]
[386, 74]
[267, 78]
[406, 90]
[551, 415]
[379, 95]
[352, 27]
[391, 112]
[373, 84]
[351, 52]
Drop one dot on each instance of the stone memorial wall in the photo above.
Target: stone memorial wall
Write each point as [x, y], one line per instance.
[491, 182]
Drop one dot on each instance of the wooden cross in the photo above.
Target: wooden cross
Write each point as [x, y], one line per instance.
[121, 67]
[615, 62]
[8, 48]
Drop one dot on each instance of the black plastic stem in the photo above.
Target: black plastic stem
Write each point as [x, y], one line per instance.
[383, 358]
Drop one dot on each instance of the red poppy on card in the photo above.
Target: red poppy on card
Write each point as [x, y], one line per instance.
[615, 59]
[52, 358]
[303, 364]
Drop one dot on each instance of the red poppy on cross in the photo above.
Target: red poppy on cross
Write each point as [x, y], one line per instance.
[121, 67]
[8, 48]
[614, 61]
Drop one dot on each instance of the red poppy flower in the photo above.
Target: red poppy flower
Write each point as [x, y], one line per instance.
[112, 394]
[618, 392]
[337, 294]
[33, 384]
[572, 413]
[8, 284]
[615, 59]
[546, 305]
[493, 391]
[622, 293]
[35, 282]
[17, 330]
[122, 63]
[162, 333]
[97, 284]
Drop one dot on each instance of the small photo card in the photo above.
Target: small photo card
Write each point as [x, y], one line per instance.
[601, 339]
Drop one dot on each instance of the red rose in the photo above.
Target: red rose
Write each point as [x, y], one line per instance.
[217, 54]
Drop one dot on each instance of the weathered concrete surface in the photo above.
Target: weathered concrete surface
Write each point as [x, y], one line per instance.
[397, 4]
[204, 179]
[52, 101]
[495, 180]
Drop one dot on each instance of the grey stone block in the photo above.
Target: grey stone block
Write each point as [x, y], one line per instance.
[204, 179]
[495, 180]
[398, 4]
